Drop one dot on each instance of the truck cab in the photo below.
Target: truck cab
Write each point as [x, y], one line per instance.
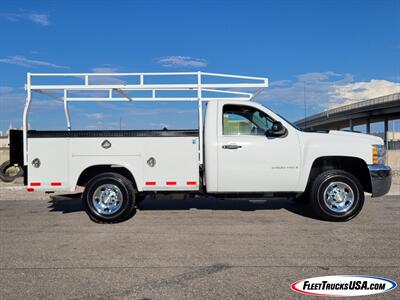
[241, 148]
[253, 156]
[250, 156]
[259, 151]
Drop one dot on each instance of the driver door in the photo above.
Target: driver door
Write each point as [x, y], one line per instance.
[248, 161]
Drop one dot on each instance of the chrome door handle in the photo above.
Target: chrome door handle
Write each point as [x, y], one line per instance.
[231, 146]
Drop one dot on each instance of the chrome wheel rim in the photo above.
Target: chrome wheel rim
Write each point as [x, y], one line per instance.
[339, 196]
[107, 199]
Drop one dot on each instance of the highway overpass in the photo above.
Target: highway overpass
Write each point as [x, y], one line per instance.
[380, 109]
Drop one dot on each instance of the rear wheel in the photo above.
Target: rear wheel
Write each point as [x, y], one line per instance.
[336, 196]
[109, 198]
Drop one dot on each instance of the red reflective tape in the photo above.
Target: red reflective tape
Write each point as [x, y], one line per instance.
[171, 182]
[35, 183]
[150, 183]
[56, 183]
[30, 189]
[191, 182]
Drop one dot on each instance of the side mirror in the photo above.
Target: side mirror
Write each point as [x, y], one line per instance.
[276, 130]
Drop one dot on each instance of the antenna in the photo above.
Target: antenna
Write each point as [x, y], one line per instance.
[305, 104]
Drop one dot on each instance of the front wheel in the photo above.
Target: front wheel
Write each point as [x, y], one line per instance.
[109, 198]
[336, 196]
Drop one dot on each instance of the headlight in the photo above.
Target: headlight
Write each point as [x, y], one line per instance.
[378, 154]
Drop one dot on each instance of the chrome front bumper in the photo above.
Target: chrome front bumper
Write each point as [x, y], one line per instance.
[381, 179]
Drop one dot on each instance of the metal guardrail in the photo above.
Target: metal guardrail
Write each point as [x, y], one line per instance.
[348, 107]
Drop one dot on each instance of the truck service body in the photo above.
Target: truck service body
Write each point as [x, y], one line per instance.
[240, 148]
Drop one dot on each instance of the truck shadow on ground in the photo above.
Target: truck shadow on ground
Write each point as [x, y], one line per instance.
[71, 203]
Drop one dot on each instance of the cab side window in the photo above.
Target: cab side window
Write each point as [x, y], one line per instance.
[245, 120]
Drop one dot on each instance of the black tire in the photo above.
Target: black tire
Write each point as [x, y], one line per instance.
[3, 172]
[350, 184]
[126, 199]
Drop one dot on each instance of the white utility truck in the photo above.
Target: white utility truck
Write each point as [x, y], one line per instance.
[241, 149]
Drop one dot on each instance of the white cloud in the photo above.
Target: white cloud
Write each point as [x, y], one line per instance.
[26, 62]
[323, 90]
[41, 19]
[279, 83]
[105, 79]
[97, 116]
[5, 90]
[11, 101]
[11, 106]
[100, 125]
[317, 76]
[38, 18]
[12, 17]
[160, 111]
[358, 91]
[104, 70]
[182, 61]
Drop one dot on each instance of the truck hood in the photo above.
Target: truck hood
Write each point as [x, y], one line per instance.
[338, 143]
[355, 135]
[345, 139]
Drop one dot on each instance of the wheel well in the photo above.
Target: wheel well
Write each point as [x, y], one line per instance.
[92, 171]
[353, 165]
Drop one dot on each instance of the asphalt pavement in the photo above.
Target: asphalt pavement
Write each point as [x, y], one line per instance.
[200, 248]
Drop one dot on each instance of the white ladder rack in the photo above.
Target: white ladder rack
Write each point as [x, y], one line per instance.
[119, 90]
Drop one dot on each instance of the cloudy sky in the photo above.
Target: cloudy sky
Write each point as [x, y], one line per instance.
[321, 53]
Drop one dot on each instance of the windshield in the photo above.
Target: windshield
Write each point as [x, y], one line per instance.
[286, 120]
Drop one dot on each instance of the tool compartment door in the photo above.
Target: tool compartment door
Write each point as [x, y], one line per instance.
[171, 164]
